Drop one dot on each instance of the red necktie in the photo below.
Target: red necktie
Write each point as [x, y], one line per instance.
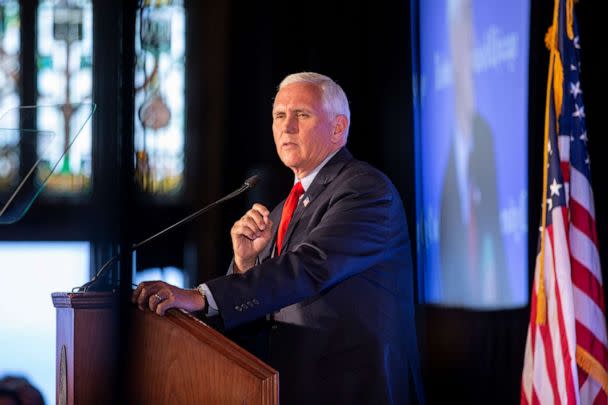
[290, 206]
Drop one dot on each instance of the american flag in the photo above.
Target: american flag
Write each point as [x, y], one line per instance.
[566, 354]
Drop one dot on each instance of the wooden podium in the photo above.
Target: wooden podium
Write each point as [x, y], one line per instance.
[175, 359]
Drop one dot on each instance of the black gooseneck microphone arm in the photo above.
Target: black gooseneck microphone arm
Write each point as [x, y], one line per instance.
[250, 183]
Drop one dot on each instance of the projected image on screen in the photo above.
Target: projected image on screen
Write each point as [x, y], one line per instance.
[473, 143]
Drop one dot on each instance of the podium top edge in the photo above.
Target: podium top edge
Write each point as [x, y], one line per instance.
[89, 300]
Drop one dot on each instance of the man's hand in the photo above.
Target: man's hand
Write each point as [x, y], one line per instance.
[159, 296]
[250, 235]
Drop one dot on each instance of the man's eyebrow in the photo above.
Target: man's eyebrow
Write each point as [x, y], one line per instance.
[281, 108]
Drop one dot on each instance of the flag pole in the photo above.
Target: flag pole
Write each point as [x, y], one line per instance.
[551, 43]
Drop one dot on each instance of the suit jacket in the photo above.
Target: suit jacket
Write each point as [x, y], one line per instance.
[482, 281]
[340, 295]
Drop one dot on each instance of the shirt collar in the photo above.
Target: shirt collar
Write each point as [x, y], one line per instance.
[307, 180]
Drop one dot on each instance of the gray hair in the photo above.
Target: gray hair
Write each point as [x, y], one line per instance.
[334, 98]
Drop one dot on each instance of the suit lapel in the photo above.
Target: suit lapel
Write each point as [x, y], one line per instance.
[323, 178]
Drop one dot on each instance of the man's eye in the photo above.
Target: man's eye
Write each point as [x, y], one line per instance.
[303, 115]
[279, 116]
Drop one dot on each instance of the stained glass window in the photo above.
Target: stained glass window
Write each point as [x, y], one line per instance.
[159, 96]
[65, 47]
[9, 93]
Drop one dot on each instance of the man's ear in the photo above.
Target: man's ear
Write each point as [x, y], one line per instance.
[339, 132]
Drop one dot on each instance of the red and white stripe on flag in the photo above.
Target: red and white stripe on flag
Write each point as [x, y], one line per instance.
[566, 357]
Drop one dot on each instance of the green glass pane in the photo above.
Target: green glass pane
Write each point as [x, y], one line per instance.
[65, 46]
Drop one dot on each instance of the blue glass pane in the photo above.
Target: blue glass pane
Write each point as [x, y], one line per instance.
[30, 272]
[171, 275]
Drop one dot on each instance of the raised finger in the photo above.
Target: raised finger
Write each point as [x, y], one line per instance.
[252, 224]
[244, 230]
[261, 209]
[239, 230]
[249, 224]
[258, 218]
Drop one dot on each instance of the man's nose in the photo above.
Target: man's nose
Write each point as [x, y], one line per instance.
[291, 124]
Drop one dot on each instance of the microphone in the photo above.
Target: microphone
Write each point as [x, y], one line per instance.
[250, 183]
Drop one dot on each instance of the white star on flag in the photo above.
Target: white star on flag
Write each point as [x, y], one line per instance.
[575, 89]
[555, 186]
[583, 137]
[550, 203]
[580, 111]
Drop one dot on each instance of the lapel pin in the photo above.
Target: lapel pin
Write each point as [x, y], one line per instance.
[306, 202]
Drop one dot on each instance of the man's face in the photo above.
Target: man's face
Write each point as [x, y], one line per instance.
[462, 48]
[304, 133]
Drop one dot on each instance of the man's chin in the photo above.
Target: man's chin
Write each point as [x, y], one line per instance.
[292, 162]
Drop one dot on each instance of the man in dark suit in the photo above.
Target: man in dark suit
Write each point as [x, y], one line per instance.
[473, 266]
[328, 272]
